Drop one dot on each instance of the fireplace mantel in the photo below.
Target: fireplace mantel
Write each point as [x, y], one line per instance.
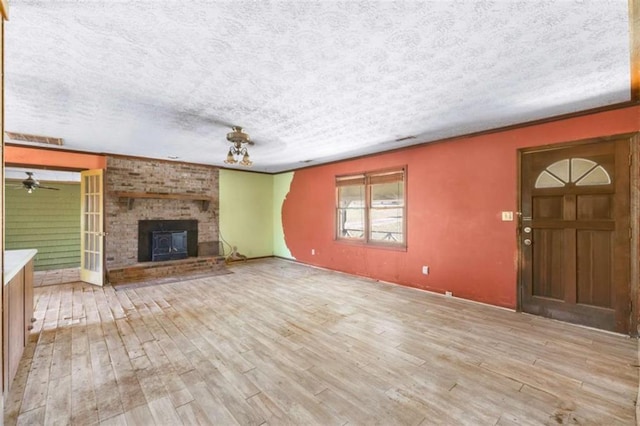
[130, 197]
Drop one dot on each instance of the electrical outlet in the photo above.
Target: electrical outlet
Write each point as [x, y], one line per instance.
[448, 294]
[313, 252]
[425, 270]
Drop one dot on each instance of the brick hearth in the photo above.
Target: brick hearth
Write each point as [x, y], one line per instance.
[156, 270]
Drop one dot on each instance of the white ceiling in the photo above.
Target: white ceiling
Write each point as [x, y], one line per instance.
[19, 173]
[320, 81]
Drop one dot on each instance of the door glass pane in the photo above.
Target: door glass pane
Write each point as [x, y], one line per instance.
[547, 180]
[579, 167]
[597, 176]
[560, 169]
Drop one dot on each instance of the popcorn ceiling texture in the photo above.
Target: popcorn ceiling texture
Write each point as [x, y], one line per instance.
[139, 175]
[307, 80]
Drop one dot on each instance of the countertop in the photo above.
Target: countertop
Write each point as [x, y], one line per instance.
[14, 261]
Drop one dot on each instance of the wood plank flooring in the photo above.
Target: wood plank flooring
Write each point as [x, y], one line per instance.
[281, 343]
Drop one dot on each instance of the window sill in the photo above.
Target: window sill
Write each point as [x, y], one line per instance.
[363, 244]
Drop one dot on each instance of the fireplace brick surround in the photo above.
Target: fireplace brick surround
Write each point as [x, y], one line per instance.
[138, 175]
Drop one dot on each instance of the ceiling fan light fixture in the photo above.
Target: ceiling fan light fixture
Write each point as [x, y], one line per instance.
[230, 158]
[246, 161]
[237, 136]
[238, 149]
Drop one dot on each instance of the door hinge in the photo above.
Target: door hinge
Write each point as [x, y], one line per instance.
[630, 159]
[630, 233]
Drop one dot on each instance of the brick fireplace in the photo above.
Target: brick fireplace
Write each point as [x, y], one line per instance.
[144, 196]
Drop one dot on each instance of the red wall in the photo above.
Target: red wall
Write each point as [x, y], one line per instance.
[456, 192]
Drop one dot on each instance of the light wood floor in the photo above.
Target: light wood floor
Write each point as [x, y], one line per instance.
[56, 276]
[281, 343]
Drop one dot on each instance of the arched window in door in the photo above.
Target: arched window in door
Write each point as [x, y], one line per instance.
[579, 171]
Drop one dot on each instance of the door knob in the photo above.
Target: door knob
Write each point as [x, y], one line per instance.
[527, 242]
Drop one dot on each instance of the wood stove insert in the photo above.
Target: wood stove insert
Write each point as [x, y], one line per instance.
[160, 240]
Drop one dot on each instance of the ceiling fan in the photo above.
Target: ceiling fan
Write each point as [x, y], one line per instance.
[239, 140]
[31, 184]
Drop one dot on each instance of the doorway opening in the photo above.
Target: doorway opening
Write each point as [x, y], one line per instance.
[45, 217]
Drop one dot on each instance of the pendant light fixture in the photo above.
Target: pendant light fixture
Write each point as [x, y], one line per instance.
[238, 152]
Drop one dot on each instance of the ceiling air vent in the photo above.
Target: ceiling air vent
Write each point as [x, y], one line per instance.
[24, 137]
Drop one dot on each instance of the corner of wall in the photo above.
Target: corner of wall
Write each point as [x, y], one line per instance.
[281, 186]
[246, 212]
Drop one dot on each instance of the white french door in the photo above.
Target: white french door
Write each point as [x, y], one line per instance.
[92, 227]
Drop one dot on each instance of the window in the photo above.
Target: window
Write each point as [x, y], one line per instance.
[579, 171]
[371, 207]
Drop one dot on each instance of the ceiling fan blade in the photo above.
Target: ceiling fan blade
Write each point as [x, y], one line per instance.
[219, 122]
[196, 118]
[47, 187]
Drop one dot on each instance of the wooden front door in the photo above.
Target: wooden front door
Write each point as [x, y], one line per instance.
[575, 234]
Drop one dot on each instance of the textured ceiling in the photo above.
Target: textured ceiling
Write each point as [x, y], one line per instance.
[19, 174]
[313, 81]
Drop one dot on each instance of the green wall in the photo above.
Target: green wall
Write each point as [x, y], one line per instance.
[281, 184]
[46, 220]
[246, 212]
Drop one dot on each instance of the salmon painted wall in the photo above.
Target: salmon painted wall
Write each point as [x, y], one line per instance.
[27, 156]
[456, 191]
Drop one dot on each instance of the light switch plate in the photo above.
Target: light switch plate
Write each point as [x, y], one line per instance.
[507, 216]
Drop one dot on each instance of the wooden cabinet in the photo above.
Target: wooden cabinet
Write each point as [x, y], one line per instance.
[17, 302]
[28, 300]
[14, 307]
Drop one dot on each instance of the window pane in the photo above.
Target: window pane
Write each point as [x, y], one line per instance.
[351, 223]
[387, 194]
[351, 204]
[387, 224]
[351, 196]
